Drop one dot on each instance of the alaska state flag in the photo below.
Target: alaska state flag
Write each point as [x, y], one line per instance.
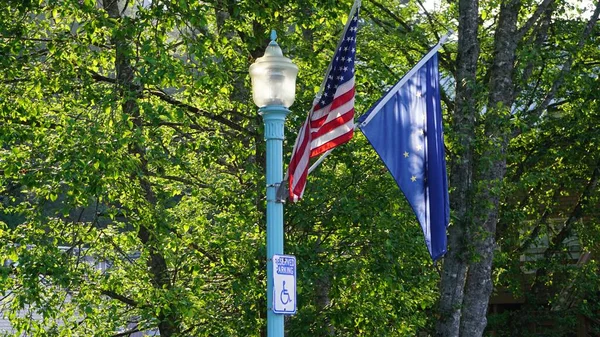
[405, 128]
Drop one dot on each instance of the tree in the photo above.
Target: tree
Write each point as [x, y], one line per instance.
[128, 138]
[513, 68]
[483, 140]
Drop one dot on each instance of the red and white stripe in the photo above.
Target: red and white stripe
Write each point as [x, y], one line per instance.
[331, 120]
[325, 128]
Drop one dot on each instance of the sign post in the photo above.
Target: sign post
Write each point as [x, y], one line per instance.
[284, 284]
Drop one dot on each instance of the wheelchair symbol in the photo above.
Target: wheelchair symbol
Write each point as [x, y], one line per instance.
[284, 292]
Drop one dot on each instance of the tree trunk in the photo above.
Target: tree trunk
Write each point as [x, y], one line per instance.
[455, 264]
[481, 233]
[130, 92]
[479, 286]
[323, 301]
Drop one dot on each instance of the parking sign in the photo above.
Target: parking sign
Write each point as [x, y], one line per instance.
[284, 284]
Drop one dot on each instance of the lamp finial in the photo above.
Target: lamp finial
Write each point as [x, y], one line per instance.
[273, 35]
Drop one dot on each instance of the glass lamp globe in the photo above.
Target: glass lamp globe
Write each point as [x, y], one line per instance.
[273, 77]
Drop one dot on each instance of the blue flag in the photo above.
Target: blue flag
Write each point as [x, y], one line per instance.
[405, 128]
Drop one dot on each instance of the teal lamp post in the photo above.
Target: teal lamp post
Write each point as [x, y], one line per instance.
[273, 90]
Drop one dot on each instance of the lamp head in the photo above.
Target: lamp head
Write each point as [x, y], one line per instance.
[273, 77]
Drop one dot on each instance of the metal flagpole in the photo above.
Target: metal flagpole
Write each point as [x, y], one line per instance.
[281, 191]
[355, 7]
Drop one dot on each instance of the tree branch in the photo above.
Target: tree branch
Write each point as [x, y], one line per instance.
[575, 214]
[166, 98]
[128, 332]
[14, 80]
[169, 99]
[23, 38]
[533, 19]
[566, 67]
[120, 298]
[204, 252]
[178, 179]
[176, 125]
[396, 18]
[102, 78]
[536, 40]
[31, 123]
[430, 19]
[565, 232]
[543, 221]
[444, 58]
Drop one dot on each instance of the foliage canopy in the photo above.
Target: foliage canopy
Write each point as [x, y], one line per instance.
[128, 138]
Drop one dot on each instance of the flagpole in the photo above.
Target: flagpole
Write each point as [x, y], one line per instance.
[355, 7]
[281, 194]
[407, 77]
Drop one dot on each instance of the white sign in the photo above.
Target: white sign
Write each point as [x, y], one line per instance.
[284, 284]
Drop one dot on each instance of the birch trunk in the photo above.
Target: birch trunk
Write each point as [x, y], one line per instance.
[479, 283]
[461, 174]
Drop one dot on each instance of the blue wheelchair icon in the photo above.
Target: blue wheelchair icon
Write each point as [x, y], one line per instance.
[285, 295]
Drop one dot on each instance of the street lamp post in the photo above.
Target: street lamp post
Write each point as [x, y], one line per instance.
[273, 90]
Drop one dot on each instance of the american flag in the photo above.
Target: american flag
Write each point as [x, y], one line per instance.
[331, 120]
